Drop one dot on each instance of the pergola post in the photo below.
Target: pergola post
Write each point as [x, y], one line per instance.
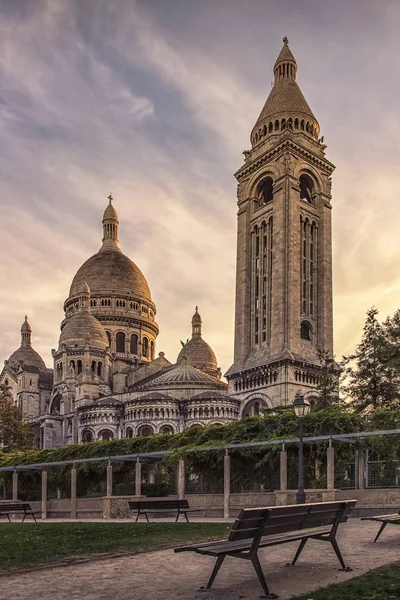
[138, 478]
[361, 470]
[15, 486]
[227, 485]
[283, 469]
[44, 494]
[109, 479]
[73, 493]
[181, 479]
[330, 472]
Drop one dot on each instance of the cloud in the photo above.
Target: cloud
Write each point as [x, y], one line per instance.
[155, 102]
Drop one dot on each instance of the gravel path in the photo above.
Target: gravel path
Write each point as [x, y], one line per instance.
[163, 575]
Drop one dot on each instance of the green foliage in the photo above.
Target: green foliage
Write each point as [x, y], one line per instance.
[373, 370]
[15, 433]
[328, 380]
[27, 544]
[380, 584]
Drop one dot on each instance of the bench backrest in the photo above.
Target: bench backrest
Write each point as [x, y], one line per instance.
[11, 506]
[260, 522]
[170, 503]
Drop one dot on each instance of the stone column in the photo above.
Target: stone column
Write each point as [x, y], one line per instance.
[15, 486]
[109, 479]
[227, 485]
[138, 479]
[181, 479]
[330, 468]
[73, 493]
[283, 471]
[44, 494]
[361, 470]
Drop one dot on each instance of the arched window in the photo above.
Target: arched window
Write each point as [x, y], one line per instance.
[79, 366]
[72, 365]
[109, 338]
[100, 369]
[134, 344]
[105, 434]
[120, 342]
[55, 408]
[94, 366]
[166, 429]
[254, 407]
[129, 432]
[6, 382]
[87, 436]
[145, 430]
[265, 190]
[306, 188]
[145, 347]
[305, 331]
[152, 350]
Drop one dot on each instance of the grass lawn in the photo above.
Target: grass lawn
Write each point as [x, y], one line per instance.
[380, 584]
[23, 544]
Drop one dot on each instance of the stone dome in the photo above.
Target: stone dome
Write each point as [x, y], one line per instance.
[199, 354]
[82, 328]
[110, 272]
[28, 356]
[25, 353]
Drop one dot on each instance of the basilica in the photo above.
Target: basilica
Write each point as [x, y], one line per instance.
[108, 381]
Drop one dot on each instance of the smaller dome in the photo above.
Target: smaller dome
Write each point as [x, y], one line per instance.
[82, 328]
[199, 354]
[27, 356]
[196, 319]
[83, 289]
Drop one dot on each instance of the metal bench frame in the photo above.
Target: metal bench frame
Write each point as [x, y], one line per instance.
[393, 519]
[172, 506]
[17, 508]
[262, 527]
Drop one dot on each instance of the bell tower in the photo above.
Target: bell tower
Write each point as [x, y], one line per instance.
[283, 312]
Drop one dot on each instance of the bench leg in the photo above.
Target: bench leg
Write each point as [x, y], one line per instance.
[8, 517]
[299, 551]
[339, 554]
[34, 518]
[24, 518]
[382, 527]
[217, 566]
[186, 517]
[260, 574]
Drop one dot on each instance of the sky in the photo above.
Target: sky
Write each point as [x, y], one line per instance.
[154, 101]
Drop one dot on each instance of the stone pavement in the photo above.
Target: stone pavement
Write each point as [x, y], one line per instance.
[163, 575]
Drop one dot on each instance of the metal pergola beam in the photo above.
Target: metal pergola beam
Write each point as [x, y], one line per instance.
[341, 437]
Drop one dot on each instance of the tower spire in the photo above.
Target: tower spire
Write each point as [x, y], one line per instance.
[196, 323]
[110, 227]
[26, 333]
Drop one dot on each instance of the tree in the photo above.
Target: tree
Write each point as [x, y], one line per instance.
[15, 433]
[373, 371]
[328, 380]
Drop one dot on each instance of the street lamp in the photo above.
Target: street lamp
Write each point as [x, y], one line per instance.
[302, 409]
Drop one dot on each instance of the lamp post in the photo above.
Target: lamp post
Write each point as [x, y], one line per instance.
[301, 408]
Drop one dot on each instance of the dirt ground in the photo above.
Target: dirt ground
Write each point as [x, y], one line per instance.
[163, 575]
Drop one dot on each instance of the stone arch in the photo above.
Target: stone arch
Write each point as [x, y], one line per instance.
[254, 181]
[303, 167]
[87, 435]
[105, 434]
[251, 400]
[145, 429]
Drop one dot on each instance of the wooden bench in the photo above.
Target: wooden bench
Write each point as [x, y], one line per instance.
[22, 508]
[260, 527]
[393, 519]
[144, 507]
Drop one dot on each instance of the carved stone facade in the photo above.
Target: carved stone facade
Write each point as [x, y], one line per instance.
[283, 314]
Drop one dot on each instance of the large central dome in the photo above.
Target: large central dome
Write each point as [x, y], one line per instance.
[110, 272]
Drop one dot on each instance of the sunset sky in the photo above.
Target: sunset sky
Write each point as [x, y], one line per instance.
[154, 101]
